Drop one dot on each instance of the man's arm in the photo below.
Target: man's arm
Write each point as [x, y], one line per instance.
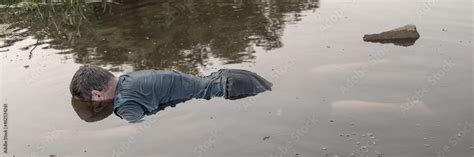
[131, 112]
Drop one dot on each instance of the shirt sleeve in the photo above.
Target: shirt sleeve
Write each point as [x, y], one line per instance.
[131, 112]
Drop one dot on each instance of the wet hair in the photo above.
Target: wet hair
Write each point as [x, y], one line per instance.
[88, 78]
[85, 109]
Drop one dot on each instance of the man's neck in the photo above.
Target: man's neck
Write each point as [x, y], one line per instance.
[112, 87]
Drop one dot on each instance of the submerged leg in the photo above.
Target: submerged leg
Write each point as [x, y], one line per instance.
[243, 83]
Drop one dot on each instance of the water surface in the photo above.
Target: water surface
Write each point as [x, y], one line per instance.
[334, 94]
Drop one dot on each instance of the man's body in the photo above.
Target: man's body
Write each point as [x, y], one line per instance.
[146, 92]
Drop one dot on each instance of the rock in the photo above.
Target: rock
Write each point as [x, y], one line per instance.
[403, 36]
[405, 32]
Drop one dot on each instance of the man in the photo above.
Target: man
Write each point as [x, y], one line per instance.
[146, 92]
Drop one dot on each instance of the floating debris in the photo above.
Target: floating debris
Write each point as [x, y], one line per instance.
[427, 145]
[324, 148]
[331, 120]
[26, 66]
[266, 138]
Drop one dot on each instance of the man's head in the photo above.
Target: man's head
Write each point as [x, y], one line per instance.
[92, 83]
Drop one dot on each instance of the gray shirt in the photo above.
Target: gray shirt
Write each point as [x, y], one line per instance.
[146, 92]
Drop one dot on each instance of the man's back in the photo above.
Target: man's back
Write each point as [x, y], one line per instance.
[149, 91]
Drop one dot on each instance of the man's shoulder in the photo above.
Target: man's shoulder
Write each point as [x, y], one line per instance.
[149, 72]
[142, 78]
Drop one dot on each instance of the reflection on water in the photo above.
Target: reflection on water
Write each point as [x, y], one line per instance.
[402, 98]
[399, 42]
[92, 111]
[183, 35]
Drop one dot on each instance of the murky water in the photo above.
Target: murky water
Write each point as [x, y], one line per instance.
[334, 94]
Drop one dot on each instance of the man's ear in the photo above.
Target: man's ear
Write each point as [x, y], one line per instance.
[96, 95]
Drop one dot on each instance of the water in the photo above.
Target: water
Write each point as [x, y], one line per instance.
[334, 94]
